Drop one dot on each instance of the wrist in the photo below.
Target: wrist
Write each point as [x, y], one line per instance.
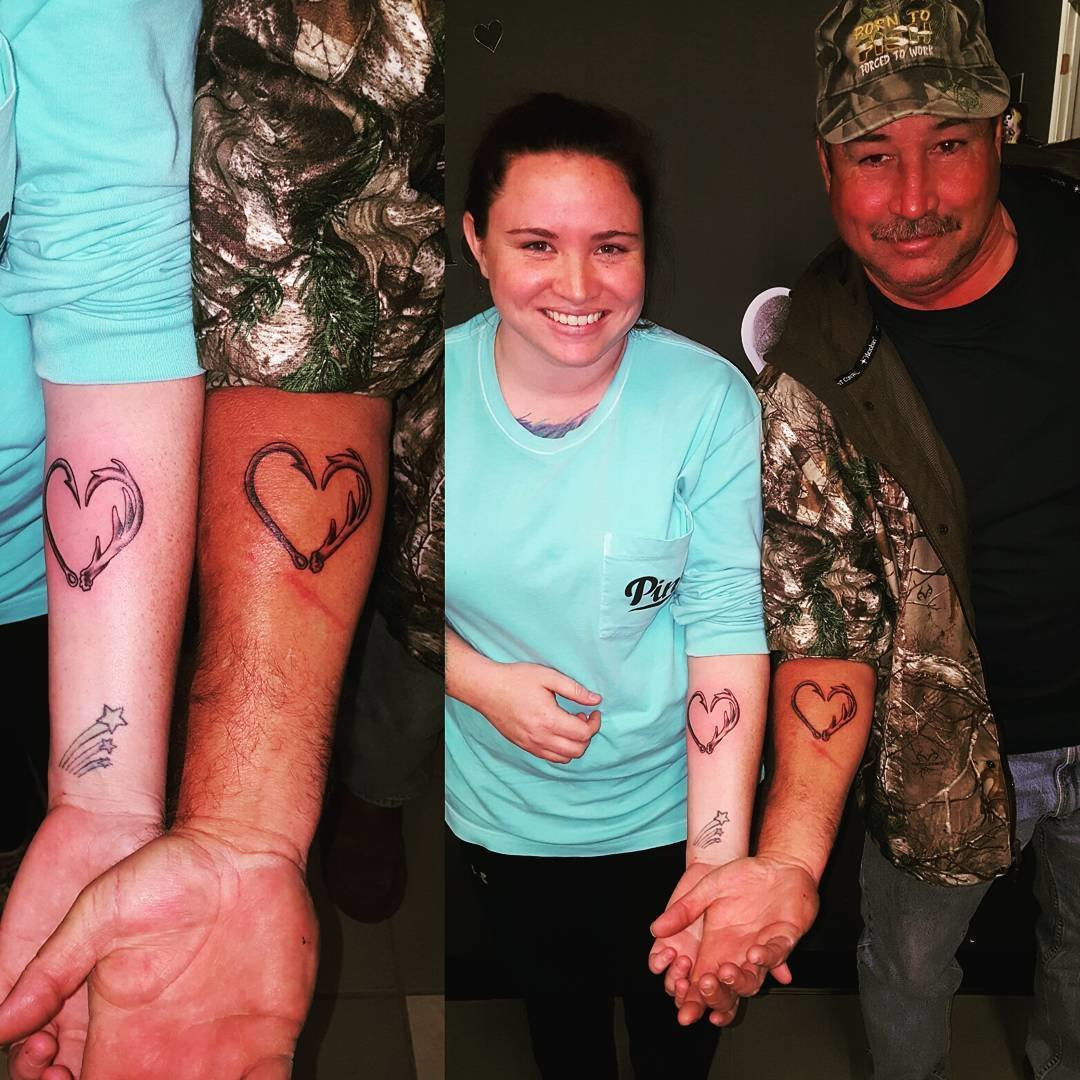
[473, 679]
[240, 836]
[713, 856]
[271, 815]
[134, 803]
[783, 856]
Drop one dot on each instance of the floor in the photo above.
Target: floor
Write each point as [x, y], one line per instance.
[791, 1034]
[378, 1009]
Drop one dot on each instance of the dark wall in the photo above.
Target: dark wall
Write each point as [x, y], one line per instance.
[1024, 34]
[727, 90]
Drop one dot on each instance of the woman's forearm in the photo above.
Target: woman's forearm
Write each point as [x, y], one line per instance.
[467, 671]
[119, 505]
[725, 726]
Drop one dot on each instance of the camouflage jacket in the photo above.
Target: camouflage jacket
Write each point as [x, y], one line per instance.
[317, 215]
[865, 558]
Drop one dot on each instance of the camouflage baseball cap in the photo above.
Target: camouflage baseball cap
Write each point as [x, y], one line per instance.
[882, 60]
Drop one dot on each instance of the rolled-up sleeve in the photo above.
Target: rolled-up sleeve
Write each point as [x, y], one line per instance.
[719, 596]
[317, 200]
[98, 252]
[824, 584]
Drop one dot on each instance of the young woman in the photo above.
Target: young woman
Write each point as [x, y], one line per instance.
[606, 643]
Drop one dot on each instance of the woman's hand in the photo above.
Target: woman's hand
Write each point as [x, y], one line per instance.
[675, 955]
[72, 846]
[519, 702]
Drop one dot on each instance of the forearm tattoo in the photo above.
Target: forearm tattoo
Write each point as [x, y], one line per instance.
[93, 747]
[356, 507]
[713, 833]
[722, 714]
[819, 712]
[125, 524]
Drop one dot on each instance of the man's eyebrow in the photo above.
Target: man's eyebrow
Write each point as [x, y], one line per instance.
[942, 125]
[873, 137]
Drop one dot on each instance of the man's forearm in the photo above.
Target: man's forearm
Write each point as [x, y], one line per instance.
[292, 499]
[119, 510]
[820, 714]
[725, 726]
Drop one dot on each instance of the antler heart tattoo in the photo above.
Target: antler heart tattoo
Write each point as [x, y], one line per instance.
[356, 506]
[818, 703]
[722, 724]
[123, 528]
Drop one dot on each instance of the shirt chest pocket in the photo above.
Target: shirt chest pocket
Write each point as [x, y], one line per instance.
[639, 578]
[7, 138]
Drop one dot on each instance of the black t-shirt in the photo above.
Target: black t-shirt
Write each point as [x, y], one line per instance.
[1001, 379]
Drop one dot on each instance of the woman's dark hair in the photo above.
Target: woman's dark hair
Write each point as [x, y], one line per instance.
[551, 123]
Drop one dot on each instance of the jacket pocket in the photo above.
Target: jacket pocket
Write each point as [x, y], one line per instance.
[7, 138]
[640, 577]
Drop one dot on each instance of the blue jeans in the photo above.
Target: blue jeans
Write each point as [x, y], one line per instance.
[390, 720]
[908, 971]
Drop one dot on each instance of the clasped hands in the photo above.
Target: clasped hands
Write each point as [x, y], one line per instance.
[187, 954]
[725, 927]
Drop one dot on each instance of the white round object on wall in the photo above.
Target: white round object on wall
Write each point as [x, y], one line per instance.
[763, 324]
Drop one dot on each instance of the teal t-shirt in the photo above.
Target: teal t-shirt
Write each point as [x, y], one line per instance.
[610, 554]
[95, 275]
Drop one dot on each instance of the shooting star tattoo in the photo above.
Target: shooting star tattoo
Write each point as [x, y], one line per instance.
[713, 833]
[93, 747]
[356, 506]
[124, 527]
[816, 710]
[699, 717]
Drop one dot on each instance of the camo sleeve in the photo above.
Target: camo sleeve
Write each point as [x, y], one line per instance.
[822, 572]
[317, 193]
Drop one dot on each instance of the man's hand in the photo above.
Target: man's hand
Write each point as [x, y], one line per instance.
[202, 948]
[72, 846]
[755, 910]
[519, 702]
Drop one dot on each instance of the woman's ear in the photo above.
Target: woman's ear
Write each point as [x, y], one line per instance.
[476, 244]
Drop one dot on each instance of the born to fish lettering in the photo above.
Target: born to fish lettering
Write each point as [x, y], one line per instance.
[919, 40]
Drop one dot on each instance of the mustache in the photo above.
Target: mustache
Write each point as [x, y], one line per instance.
[900, 229]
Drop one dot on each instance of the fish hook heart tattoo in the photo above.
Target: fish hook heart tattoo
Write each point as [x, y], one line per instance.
[124, 528]
[821, 706]
[724, 721]
[356, 507]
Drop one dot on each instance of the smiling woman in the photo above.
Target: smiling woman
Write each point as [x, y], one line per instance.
[603, 532]
[567, 292]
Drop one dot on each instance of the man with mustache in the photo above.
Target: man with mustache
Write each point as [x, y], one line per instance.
[922, 505]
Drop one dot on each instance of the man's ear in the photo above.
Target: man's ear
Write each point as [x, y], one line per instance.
[476, 243]
[824, 164]
[999, 134]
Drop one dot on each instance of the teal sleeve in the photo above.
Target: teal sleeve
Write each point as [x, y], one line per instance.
[98, 253]
[719, 597]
